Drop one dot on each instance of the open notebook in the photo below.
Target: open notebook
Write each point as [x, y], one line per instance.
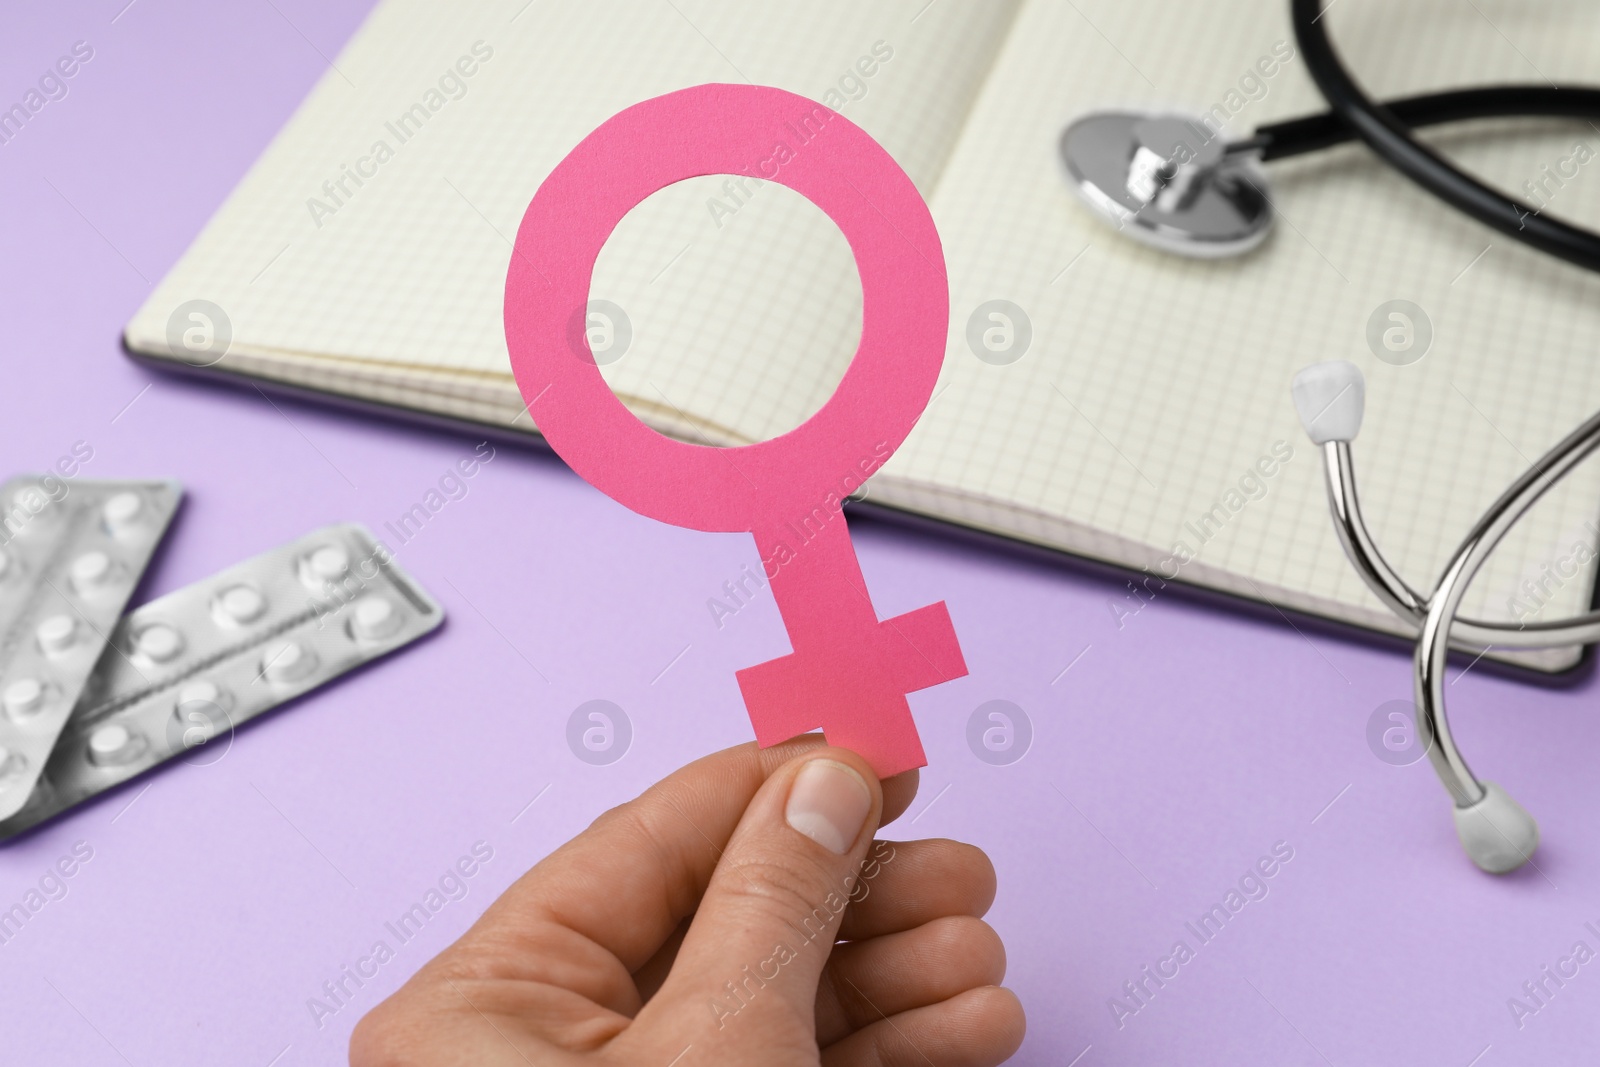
[365, 254]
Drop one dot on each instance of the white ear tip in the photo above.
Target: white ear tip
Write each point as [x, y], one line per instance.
[1330, 398]
[1497, 833]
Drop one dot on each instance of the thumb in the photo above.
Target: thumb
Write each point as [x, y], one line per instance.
[748, 969]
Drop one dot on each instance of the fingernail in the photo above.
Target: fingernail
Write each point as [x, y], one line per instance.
[829, 804]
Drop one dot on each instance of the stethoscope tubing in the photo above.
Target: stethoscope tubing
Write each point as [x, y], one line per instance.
[1312, 133]
[1383, 132]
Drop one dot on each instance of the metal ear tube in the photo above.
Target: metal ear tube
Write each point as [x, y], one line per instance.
[1496, 832]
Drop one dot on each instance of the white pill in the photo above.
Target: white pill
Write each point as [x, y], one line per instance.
[57, 633]
[375, 619]
[242, 604]
[90, 570]
[112, 743]
[201, 692]
[122, 512]
[199, 713]
[330, 562]
[288, 661]
[24, 696]
[159, 642]
[5, 564]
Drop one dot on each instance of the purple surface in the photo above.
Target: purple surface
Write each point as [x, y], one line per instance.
[1171, 755]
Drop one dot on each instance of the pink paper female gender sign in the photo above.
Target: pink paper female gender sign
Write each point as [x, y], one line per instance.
[849, 673]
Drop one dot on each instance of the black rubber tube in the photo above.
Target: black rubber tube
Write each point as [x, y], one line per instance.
[1387, 135]
[1295, 137]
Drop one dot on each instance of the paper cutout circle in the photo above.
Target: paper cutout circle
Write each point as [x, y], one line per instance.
[777, 136]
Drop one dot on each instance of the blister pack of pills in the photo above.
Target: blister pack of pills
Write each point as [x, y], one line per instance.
[184, 670]
[71, 554]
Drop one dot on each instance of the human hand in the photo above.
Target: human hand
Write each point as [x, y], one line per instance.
[696, 925]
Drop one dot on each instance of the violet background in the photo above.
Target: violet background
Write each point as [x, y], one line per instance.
[1169, 757]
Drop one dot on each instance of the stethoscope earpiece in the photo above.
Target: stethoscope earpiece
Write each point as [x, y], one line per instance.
[1497, 833]
[1330, 399]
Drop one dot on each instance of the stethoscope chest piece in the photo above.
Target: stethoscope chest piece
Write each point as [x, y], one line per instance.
[1168, 182]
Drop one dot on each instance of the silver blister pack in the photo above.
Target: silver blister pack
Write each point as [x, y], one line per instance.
[184, 670]
[71, 554]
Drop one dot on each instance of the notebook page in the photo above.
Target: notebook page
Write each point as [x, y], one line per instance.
[746, 317]
[1156, 390]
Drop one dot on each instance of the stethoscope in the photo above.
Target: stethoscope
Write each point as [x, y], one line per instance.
[1171, 182]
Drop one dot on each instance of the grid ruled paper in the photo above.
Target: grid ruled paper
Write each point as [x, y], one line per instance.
[1153, 386]
[745, 315]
